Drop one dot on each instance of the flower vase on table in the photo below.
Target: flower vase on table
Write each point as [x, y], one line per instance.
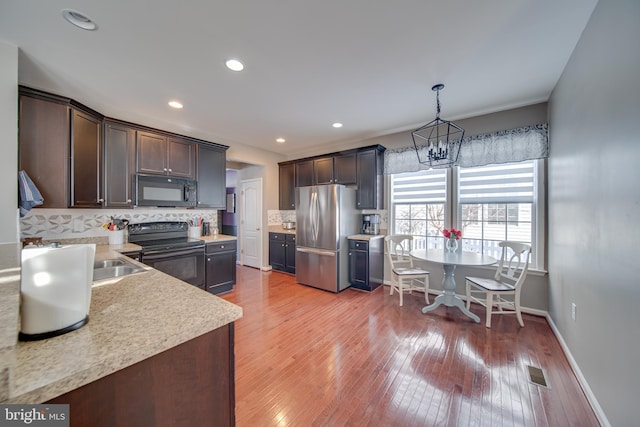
[452, 236]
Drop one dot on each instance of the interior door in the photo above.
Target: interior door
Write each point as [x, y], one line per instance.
[251, 222]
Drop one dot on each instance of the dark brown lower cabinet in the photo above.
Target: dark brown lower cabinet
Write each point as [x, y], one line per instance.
[221, 266]
[188, 385]
[282, 252]
[366, 263]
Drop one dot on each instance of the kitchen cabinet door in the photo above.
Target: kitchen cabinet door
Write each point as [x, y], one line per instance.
[344, 168]
[358, 265]
[119, 165]
[366, 263]
[181, 158]
[323, 171]
[86, 160]
[212, 176]
[290, 254]
[151, 150]
[221, 266]
[287, 187]
[370, 185]
[304, 173]
[277, 251]
[44, 148]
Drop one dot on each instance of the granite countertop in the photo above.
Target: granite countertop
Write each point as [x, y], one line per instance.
[217, 238]
[131, 319]
[365, 236]
[279, 229]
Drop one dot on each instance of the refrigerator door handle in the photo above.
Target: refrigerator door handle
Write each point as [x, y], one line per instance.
[315, 215]
[316, 251]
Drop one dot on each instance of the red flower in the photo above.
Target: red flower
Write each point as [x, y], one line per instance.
[452, 233]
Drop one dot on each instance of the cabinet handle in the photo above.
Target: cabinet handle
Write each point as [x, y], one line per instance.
[128, 200]
[208, 259]
[100, 200]
[349, 253]
[165, 169]
[222, 247]
[170, 170]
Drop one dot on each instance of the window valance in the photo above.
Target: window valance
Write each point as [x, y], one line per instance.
[506, 146]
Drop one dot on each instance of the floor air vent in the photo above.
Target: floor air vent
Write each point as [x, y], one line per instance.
[537, 376]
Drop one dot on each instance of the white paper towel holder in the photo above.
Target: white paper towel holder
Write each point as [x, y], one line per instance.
[55, 290]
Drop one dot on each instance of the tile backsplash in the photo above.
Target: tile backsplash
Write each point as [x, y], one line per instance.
[75, 223]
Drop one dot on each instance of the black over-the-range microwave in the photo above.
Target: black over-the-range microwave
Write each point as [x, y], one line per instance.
[165, 191]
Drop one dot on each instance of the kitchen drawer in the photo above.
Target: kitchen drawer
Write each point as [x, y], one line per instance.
[227, 246]
[290, 238]
[281, 237]
[362, 245]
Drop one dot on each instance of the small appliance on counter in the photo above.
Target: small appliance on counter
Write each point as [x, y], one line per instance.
[371, 224]
[289, 225]
[55, 290]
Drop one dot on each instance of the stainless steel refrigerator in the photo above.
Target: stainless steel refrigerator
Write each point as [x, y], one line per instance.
[325, 216]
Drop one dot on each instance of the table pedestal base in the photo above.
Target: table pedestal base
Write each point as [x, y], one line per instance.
[449, 297]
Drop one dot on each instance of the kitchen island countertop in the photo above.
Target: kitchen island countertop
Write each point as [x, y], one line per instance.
[131, 319]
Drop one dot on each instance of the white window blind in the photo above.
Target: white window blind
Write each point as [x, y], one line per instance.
[504, 183]
[420, 187]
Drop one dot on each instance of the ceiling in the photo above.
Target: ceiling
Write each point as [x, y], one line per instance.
[368, 64]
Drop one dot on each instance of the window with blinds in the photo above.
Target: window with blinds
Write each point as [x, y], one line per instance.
[418, 203]
[490, 204]
[496, 203]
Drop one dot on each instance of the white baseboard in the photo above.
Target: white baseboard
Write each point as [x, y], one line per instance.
[581, 379]
[266, 268]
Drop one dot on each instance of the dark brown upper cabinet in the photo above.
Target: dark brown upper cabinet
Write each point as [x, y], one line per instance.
[344, 168]
[287, 187]
[304, 173]
[370, 193]
[44, 148]
[323, 171]
[119, 164]
[78, 158]
[158, 154]
[86, 160]
[212, 177]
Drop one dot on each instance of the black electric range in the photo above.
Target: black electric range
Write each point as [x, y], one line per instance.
[167, 247]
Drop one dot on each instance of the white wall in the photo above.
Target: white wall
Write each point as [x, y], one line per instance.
[594, 207]
[8, 142]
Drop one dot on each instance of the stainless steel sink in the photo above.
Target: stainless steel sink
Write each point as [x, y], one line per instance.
[108, 263]
[112, 268]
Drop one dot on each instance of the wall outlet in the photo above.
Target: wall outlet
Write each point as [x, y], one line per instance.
[573, 310]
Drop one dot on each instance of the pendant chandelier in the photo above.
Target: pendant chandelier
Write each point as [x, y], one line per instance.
[438, 142]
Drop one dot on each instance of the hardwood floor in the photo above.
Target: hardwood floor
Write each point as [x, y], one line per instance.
[306, 357]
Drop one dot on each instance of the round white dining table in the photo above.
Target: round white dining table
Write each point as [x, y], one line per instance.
[449, 261]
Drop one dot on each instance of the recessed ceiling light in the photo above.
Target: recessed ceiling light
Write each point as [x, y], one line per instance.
[175, 104]
[337, 125]
[234, 65]
[280, 140]
[79, 19]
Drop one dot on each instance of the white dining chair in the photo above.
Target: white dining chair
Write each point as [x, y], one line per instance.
[503, 291]
[404, 276]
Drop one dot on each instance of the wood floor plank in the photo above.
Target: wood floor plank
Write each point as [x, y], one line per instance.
[306, 357]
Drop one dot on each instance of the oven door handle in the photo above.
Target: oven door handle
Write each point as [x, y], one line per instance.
[164, 254]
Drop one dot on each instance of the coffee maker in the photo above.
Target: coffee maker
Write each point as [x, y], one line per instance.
[371, 224]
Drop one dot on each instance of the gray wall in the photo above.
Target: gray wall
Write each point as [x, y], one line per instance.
[8, 142]
[594, 206]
